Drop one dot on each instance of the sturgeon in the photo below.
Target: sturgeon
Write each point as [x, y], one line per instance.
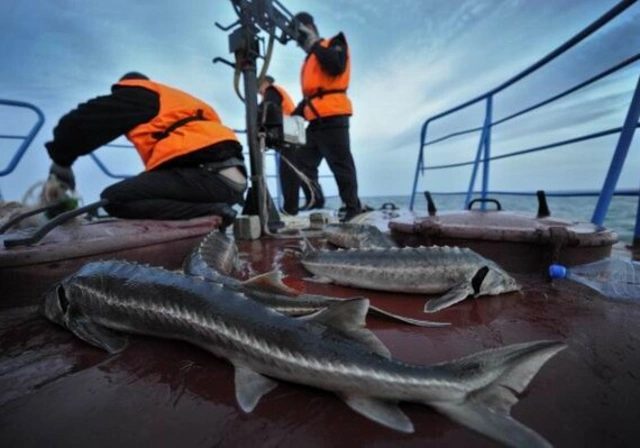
[357, 236]
[216, 259]
[460, 272]
[104, 301]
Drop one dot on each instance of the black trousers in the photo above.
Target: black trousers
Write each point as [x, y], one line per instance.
[172, 193]
[329, 139]
[289, 182]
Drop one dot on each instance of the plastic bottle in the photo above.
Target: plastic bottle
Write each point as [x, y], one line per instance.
[615, 278]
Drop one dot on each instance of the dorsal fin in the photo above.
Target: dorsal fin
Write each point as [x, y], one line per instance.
[272, 281]
[348, 317]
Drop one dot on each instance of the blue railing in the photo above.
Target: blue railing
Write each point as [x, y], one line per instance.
[26, 139]
[483, 152]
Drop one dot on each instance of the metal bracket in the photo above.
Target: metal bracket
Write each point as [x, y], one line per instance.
[227, 28]
[224, 61]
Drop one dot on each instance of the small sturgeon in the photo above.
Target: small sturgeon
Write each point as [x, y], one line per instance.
[332, 351]
[459, 272]
[216, 259]
[357, 236]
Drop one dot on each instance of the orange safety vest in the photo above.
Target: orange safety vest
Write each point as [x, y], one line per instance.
[324, 95]
[287, 103]
[184, 124]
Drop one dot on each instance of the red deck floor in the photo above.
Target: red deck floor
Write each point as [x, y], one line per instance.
[55, 390]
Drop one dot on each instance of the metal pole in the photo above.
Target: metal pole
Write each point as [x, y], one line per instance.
[255, 155]
[278, 161]
[487, 151]
[636, 233]
[617, 162]
[474, 171]
[419, 165]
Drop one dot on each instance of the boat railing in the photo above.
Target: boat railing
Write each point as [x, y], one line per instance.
[483, 153]
[25, 140]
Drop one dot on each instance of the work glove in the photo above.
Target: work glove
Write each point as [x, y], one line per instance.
[307, 37]
[64, 174]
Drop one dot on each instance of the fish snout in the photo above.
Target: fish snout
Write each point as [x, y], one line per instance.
[497, 282]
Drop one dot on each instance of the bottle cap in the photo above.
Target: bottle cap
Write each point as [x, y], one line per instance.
[557, 271]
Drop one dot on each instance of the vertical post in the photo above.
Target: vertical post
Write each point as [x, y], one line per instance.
[617, 162]
[474, 170]
[278, 161]
[419, 165]
[636, 233]
[258, 183]
[487, 149]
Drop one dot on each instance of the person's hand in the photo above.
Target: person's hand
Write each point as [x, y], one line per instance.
[307, 37]
[64, 174]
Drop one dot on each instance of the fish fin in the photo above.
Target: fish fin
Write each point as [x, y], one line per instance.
[522, 362]
[97, 335]
[406, 320]
[272, 281]
[453, 296]
[486, 410]
[492, 424]
[478, 278]
[250, 387]
[306, 245]
[220, 253]
[318, 279]
[348, 317]
[387, 413]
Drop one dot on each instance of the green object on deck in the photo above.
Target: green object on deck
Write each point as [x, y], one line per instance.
[65, 205]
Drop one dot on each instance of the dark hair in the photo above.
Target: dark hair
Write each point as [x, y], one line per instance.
[134, 75]
[305, 18]
[269, 79]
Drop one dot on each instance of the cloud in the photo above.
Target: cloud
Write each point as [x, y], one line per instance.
[411, 60]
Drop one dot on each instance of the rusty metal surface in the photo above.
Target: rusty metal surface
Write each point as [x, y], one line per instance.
[55, 390]
[27, 272]
[524, 244]
[89, 238]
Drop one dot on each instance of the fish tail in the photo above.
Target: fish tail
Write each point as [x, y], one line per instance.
[507, 372]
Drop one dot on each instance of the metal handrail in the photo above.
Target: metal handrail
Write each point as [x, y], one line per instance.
[534, 149]
[26, 139]
[567, 92]
[483, 153]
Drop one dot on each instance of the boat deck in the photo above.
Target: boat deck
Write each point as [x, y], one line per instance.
[56, 390]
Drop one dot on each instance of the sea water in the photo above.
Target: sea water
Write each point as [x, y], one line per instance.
[621, 216]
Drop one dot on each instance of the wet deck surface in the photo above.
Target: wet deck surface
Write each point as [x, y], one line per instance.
[55, 390]
[28, 271]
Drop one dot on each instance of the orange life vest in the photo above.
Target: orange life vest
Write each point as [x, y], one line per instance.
[184, 124]
[287, 103]
[325, 95]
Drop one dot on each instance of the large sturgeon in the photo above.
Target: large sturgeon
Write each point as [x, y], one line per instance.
[332, 351]
[459, 272]
[216, 259]
[357, 236]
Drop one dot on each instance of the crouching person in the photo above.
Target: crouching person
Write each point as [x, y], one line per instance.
[193, 163]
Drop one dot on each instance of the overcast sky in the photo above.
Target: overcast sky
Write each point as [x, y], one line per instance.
[411, 59]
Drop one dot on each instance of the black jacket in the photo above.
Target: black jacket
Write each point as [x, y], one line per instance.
[103, 119]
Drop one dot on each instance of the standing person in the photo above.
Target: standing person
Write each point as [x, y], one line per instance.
[278, 98]
[193, 163]
[325, 80]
